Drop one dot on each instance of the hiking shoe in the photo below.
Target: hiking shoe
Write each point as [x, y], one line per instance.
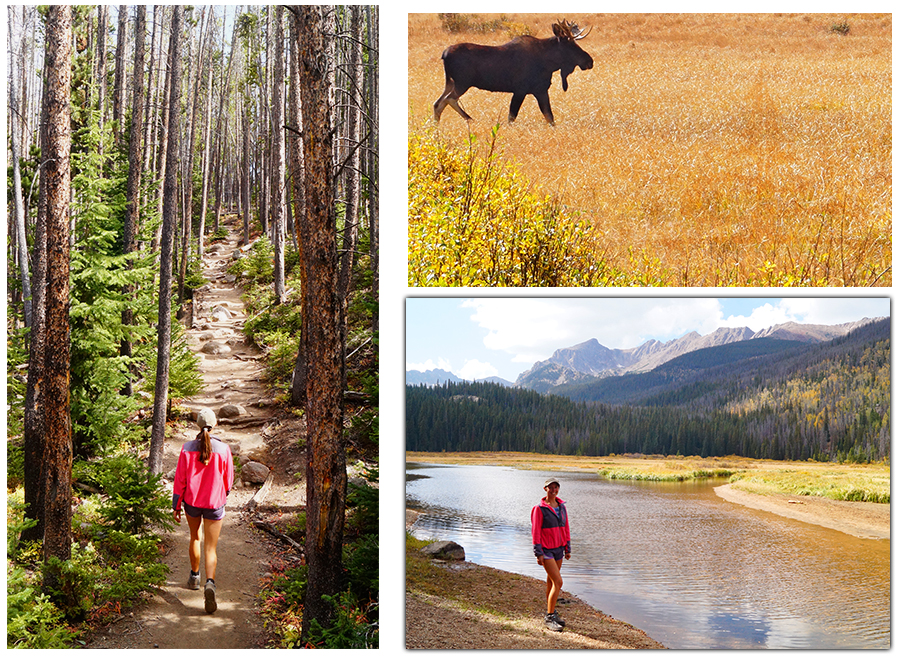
[551, 623]
[556, 618]
[209, 593]
[194, 581]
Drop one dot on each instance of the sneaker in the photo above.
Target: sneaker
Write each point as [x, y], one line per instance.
[209, 594]
[557, 619]
[551, 623]
[194, 581]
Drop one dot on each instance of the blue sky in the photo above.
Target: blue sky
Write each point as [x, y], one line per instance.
[504, 336]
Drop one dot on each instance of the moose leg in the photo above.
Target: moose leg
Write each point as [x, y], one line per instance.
[514, 106]
[449, 97]
[441, 103]
[543, 99]
[454, 103]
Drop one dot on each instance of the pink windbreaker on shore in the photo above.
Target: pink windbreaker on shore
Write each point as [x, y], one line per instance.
[203, 486]
[549, 530]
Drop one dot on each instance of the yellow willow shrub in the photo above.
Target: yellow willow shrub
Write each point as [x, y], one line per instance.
[474, 221]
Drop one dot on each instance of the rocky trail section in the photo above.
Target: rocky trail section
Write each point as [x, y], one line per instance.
[269, 465]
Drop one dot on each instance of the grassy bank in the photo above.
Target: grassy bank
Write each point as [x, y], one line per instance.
[859, 483]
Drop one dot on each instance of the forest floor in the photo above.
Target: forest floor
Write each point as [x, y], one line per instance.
[174, 616]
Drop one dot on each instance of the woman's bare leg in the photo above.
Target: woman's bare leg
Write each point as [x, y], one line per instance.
[554, 582]
[194, 543]
[211, 530]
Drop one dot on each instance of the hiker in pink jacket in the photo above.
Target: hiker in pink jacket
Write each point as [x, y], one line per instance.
[550, 535]
[203, 479]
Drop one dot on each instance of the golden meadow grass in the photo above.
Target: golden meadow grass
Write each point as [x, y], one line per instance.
[706, 150]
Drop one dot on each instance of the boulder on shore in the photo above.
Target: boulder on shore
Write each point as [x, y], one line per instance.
[447, 550]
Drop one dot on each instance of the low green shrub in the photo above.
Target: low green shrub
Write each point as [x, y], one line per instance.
[135, 498]
[292, 585]
[361, 563]
[350, 627]
[32, 621]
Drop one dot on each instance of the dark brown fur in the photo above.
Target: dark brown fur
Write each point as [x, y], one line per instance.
[523, 66]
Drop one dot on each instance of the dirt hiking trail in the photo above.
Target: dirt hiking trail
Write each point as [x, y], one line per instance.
[174, 616]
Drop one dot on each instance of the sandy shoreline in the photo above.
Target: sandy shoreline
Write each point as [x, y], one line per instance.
[862, 519]
[460, 605]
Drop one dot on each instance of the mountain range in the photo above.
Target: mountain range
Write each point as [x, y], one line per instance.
[591, 360]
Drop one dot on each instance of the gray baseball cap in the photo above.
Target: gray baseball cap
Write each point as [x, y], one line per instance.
[205, 418]
[551, 480]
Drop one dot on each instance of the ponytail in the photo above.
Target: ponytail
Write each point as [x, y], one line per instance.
[205, 444]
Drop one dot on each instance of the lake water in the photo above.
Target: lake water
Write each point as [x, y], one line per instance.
[688, 568]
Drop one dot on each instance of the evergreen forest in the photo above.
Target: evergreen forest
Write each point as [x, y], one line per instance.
[760, 399]
[139, 137]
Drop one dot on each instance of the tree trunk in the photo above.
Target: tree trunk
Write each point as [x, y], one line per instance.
[119, 80]
[373, 159]
[19, 206]
[102, 25]
[277, 175]
[295, 142]
[163, 144]
[170, 210]
[326, 476]
[34, 426]
[245, 175]
[204, 176]
[57, 470]
[151, 96]
[135, 163]
[351, 165]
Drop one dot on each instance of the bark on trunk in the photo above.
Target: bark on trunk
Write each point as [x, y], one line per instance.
[326, 475]
[34, 426]
[57, 472]
[19, 204]
[135, 162]
[170, 210]
[295, 142]
[277, 175]
[119, 81]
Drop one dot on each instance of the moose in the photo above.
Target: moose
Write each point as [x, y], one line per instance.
[522, 66]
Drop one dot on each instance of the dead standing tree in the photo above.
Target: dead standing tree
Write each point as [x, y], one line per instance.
[326, 475]
[53, 354]
[170, 211]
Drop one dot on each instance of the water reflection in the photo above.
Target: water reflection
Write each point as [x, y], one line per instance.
[688, 568]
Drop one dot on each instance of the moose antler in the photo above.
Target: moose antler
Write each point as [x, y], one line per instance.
[576, 32]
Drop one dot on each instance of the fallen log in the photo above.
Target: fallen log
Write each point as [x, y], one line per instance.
[261, 494]
[270, 529]
[244, 421]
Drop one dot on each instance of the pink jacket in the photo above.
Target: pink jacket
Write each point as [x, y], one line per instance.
[203, 486]
[549, 530]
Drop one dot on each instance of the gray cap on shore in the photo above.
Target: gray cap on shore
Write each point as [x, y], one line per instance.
[551, 480]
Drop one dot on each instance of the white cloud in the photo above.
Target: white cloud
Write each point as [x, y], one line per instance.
[829, 311]
[473, 370]
[822, 311]
[762, 317]
[531, 329]
[429, 364]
